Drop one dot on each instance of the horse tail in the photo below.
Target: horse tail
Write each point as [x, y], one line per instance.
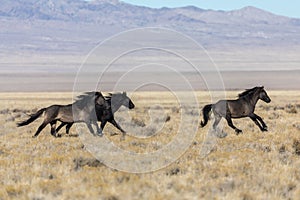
[205, 111]
[32, 118]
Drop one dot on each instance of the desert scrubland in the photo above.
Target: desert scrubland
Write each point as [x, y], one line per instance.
[252, 165]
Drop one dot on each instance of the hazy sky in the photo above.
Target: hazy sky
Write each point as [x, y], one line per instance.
[281, 7]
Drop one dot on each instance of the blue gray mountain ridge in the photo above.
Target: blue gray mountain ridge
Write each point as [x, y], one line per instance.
[73, 24]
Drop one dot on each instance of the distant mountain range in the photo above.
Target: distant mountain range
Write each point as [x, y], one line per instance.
[44, 42]
[77, 25]
[114, 12]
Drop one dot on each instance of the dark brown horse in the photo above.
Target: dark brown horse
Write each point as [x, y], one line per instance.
[82, 110]
[244, 106]
[105, 112]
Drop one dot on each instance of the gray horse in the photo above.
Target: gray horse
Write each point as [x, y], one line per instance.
[244, 106]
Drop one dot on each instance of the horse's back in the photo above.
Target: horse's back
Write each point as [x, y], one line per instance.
[239, 108]
[60, 112]
[53, 109]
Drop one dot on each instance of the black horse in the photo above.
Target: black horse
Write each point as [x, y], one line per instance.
[244, 106]
[82, 110]
[105, 112]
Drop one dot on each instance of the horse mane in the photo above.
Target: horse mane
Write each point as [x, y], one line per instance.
[110, 95]
[85, 99]
[248, 91]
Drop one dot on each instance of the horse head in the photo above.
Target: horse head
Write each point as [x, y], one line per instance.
[120, 99]
[263, 95]
[127, 102]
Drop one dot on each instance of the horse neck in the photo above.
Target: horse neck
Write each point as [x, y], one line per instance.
[85, 104]
[115, 107]
[254, 98]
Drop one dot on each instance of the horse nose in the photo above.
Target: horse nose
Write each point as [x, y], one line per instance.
[132, 106]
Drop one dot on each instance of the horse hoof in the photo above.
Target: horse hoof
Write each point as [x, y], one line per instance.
[238, 131]
[34, 136]
[264, 130]
[100, 134]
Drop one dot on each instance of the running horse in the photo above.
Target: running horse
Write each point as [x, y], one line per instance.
[244, 106]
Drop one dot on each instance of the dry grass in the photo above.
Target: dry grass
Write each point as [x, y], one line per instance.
[253, 165]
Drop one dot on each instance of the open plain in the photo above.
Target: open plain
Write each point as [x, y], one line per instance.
[253, 165]
[50, 48]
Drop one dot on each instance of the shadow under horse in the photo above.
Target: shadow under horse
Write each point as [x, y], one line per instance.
[82, 110]
[244, 106]
[105, 112]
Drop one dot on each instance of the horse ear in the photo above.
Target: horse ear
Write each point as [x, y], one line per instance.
[124, 93]
[262, 87]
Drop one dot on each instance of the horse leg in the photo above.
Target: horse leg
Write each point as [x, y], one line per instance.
[265, 127]
[69, 125]
[103, 123]
[53, 125]
[217, 121]
[99, 131]
[113, 122]
[254, 119]
[90, 128]
[60, 126]
[229, 122]
[41, 127]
